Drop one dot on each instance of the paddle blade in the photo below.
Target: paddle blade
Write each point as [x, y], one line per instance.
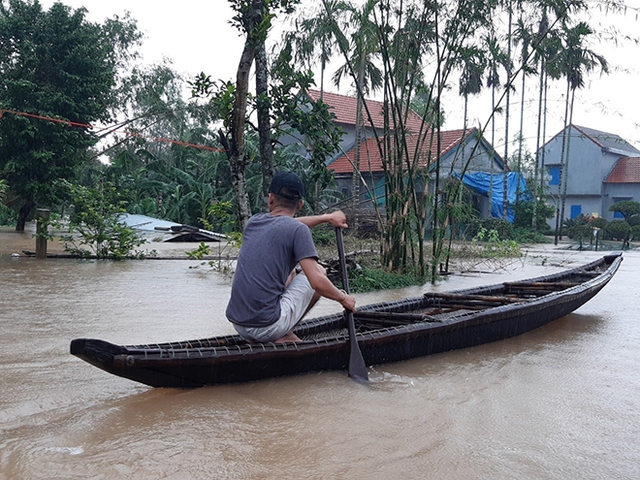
[357, 367]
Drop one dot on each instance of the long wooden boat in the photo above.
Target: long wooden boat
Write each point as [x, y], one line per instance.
[386, 332]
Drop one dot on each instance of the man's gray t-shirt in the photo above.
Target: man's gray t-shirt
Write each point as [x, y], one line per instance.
[271, 248]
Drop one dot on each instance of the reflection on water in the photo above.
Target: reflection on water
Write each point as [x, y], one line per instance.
[559, 402]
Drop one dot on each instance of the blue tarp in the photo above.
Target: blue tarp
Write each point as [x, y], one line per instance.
[482, 183]
[479, 183]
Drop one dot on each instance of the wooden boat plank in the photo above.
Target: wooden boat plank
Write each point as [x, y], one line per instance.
[488, 299]
[404, 318]
[547, 285]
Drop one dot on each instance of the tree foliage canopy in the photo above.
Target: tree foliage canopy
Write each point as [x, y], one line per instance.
[53, 64]
[627, 208]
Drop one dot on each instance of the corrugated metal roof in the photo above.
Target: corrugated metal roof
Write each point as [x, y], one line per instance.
[145, 223]
[608, 141]
[170, 231]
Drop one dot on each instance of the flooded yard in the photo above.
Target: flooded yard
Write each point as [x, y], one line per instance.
[561, 402]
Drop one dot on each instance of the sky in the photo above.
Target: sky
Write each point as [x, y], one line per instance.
[195, 35]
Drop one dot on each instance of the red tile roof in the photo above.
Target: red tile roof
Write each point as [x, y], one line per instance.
[344, 108]
[626, 170]
[370, 159]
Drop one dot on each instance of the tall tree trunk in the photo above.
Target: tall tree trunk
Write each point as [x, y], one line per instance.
[544, 128]
[565, 133]
[493, 142]
[538, 168]
[566, 162]
[236, 152]
[23, 214]
[355, 186]
[264, 122]
[506, 118]
[237, 158]
[521, 136]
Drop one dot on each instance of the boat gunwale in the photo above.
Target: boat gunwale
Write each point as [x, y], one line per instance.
[164, 351]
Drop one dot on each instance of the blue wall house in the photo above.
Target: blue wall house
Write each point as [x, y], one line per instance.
[623, 183]
[592, 169]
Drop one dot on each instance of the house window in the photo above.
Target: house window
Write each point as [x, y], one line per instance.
[555, 175]
[576, 210]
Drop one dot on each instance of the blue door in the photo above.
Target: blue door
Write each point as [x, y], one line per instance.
[576, 210]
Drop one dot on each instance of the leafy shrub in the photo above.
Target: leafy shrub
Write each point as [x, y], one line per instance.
[7, 215]
[493, 247]
[370, 279]
[634, 221]
[578, 228]
[95, 228]
[524, 215]
[524, 235]
[618, 230]
[598, 222]
[323, 235]
[222, 265]
[627, 208]
[503, 228]
[221, 218]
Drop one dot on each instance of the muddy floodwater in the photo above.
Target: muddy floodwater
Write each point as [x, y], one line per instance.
[561, 402]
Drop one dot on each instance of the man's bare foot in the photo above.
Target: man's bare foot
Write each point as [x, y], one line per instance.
[289, 337]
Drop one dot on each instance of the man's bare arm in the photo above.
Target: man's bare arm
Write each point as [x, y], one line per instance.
[335, 219]
[321, 284]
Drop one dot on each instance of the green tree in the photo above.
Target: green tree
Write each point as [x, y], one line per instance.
[169, 161]
[618, 230]
[474, 65]
[628, 209]
[95, 227]
[573, 62]
[508, 65]
[58, 65]
[364, 47]
[232, 102]
[253, 18]
[313, 28]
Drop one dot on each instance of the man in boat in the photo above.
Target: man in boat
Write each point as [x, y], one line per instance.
[268, 299]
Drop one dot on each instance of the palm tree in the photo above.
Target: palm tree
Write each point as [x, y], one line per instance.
[474, 64]
[524, 36]
[574, 62]
[508, 66]
[364, 45]
[497, 57]
[539, 58]
[316, 28]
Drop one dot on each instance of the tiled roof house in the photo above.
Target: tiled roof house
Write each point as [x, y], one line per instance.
[602, 169]
[456, 147]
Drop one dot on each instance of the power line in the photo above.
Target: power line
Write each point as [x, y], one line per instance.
[49, 119]
[88, 126]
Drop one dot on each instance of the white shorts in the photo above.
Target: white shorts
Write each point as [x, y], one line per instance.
[293, 304]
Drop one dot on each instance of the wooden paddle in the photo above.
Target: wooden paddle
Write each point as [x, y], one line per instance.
[357, 367]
